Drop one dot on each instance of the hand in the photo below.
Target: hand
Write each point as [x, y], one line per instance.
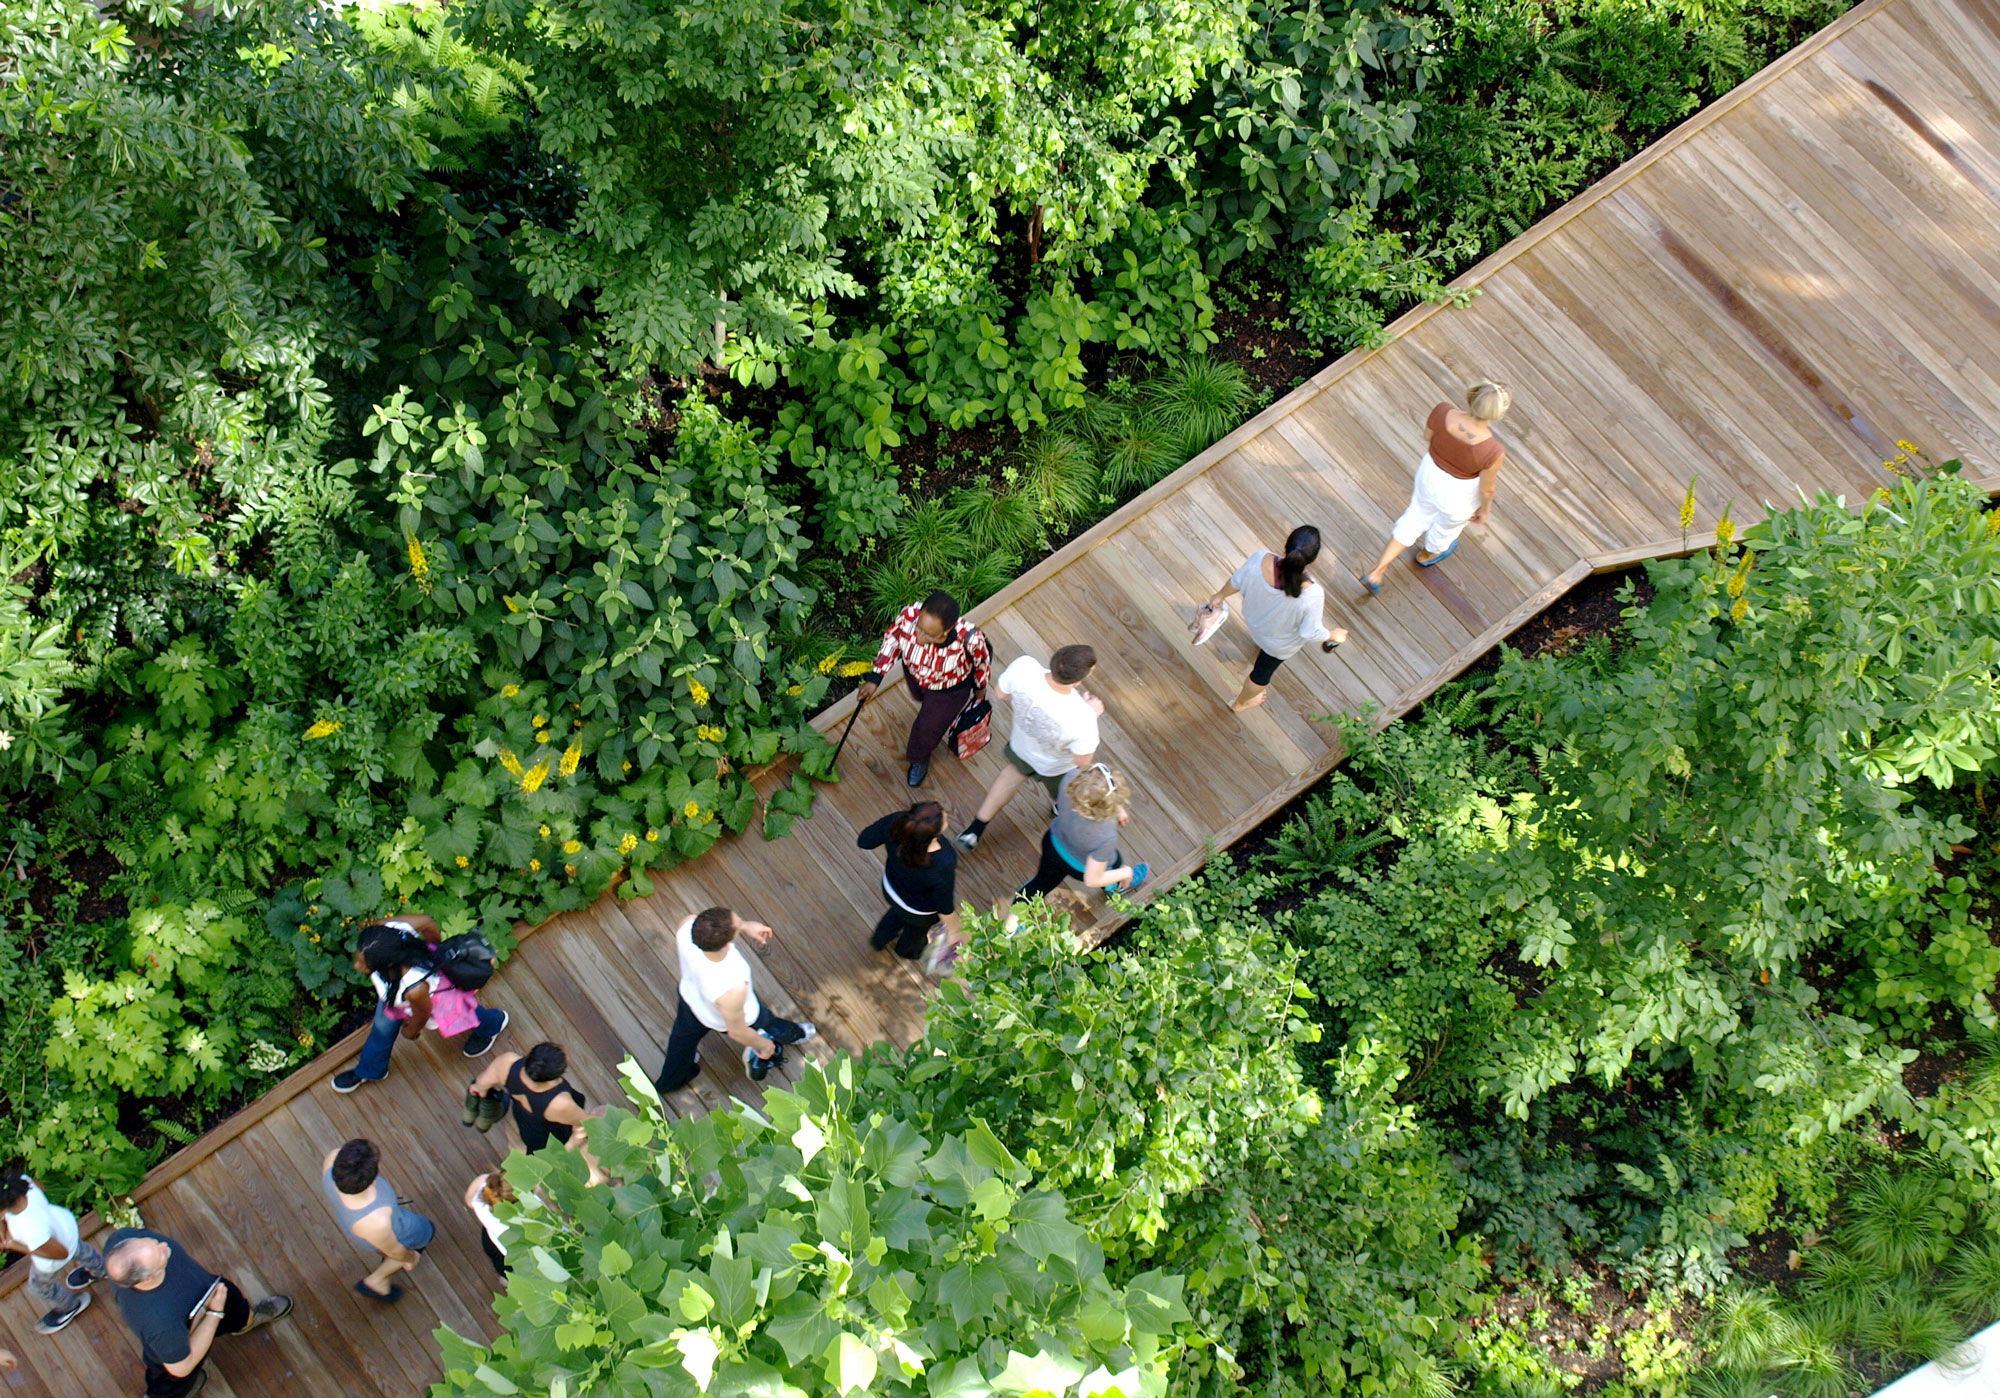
[1123, 815]
[218, 1295]
[758, 932]
[1095, 704]
[979, 694]
[865, 692]
[1479, 515]
[1339, 635]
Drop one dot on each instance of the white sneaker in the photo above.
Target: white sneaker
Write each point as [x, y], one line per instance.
[808, 1031]
[1208, 621]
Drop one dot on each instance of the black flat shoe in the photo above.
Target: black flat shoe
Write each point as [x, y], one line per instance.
[918, 771]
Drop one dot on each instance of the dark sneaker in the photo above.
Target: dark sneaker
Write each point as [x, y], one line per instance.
[348, 1080]
[918, 771]
[267, 1310]
[760, 1068]
[479, 1043]
[78, 1279]
[966, 840]
[56, 1320]
[386, 1298]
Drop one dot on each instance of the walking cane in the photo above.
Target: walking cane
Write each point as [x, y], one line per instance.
[859, 705]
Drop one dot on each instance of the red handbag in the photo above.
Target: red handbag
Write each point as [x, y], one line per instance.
[972, 729]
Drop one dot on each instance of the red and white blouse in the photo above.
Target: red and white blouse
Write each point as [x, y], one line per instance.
[965, 656]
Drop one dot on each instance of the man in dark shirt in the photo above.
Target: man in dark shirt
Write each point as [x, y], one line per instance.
[177, 1307]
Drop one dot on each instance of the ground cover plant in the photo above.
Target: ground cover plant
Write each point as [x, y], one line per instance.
[380, 527]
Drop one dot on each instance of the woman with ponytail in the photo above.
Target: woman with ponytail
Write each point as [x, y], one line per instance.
[1455, 480]
[919, 879]
[1282, 608]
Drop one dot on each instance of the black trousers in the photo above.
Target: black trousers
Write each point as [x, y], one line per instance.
[492, 1251]
[682, 1062]
[909, 931]
[235, 1315]
[1053, 870]
[936, 708]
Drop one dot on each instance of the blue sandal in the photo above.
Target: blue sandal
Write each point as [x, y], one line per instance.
[1374, 588]
[1433, 562]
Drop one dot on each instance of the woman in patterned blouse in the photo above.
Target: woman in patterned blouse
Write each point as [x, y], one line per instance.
[946, 663]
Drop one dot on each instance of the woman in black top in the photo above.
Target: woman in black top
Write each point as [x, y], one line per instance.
[546, 1106]
[919, 878]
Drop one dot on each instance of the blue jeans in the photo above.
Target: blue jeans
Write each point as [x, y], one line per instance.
[382, 1035]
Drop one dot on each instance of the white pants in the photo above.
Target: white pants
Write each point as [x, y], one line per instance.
[1441, 505]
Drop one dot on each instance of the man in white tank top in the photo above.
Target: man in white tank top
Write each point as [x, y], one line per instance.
[716, 993]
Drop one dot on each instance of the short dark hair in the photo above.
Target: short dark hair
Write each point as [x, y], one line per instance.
[913, 832]
[714, 928]
[944, 607]
[1072, 663]
[545, 1062]
[355, 1166]
[14, 1185]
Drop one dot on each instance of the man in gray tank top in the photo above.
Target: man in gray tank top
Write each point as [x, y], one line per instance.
[368, 1211]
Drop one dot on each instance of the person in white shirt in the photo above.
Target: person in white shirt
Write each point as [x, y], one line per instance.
[60, 1263]
[1283, 609]
[1055, 729]
[483, 1196]
[716, 994]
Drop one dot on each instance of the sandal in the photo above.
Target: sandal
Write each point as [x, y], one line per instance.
[1374, 588]
[1208, 621]
[1438, 558]
[395, 1293]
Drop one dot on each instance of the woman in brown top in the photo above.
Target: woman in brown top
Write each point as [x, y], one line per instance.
[1454, 485]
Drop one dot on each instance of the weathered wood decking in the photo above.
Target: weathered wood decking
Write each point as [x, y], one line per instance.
[1771, 297]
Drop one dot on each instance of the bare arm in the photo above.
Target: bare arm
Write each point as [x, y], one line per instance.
[1098, 874]
[731, 1002]
[376, 1230]
[202, 1336]
[1487, 480]
[418, 998]
[494, 1074]
[565, 1111]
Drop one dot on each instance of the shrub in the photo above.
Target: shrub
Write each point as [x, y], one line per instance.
[814, 1247]
[1200, 400]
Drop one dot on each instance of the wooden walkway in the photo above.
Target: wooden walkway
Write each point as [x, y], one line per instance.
[1771, 297]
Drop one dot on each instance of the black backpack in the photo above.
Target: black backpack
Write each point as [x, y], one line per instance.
[466, 960]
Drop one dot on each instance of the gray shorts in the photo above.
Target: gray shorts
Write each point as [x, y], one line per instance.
[1052, 785]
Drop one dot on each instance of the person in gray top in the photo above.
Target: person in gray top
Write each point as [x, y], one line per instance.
[1082, 840]
[1282, 609]
[367, 1209]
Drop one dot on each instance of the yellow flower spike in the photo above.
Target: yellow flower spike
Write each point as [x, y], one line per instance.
[508, 691]
[572, 846]
[1992, 523]
[1902, 445]
[1741, 577]
[628, 843]
[532, 779]
[534, 864]
[464, 863]
[544, 830]
[796, 689]
[1740, 609]
[825, 666]
[652, 837]
[698, 691]
[540, 720]
[420, 566]
[627, 766]
[325, 728]
[510, 762]
[856, 667]
[1687, 506]
[1725, 528]
[542, 737]
[691, 809]
[571, 757]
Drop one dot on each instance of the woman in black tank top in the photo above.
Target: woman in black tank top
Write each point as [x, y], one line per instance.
[516, 1074]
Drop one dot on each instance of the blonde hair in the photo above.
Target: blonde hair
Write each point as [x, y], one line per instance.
[1488, 401]
[1097, 793]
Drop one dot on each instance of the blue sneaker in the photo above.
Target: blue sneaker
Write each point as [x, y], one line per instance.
[1139, 875]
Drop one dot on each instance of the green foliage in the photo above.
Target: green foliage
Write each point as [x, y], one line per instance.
[1359, 273]
[457, 96]
[817, 1247]
[164, 303]
[1200, 399]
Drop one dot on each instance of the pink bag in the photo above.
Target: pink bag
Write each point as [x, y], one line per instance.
[453, 1011]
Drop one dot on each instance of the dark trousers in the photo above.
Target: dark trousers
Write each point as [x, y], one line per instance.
[683, 1061]
[909, 931]
[1054, 869]
[936, 708]
[235, 1315]
[492, 1251]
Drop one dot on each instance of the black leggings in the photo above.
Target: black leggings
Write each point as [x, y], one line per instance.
[909, 931]
[1265, 669]
[1054, 869]
[493, 1253]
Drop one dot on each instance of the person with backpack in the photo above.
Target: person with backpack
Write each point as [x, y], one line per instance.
[716, 994]
[919, 879]
[374, 1217]
[946, 664]
[421, 981]
[546, 1106]
[1283, 609]
[1082, 839]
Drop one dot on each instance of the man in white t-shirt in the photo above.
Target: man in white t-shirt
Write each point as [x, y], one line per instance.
[48, 1234]
[1055, 729]
[716, 993]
